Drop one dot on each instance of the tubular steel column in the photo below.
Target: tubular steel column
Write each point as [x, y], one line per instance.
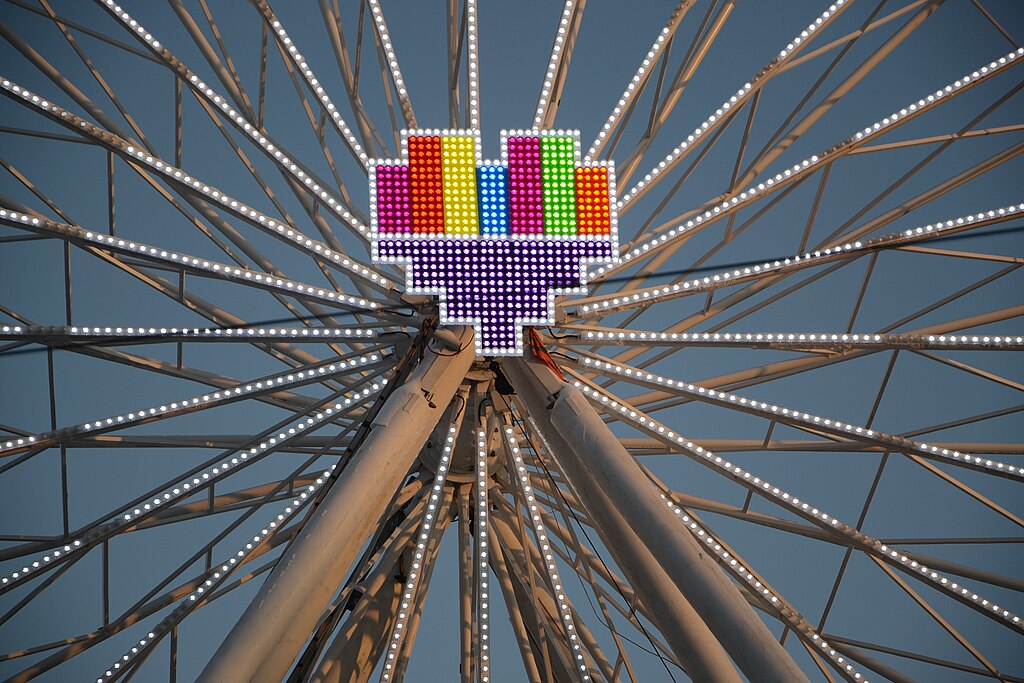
[618, 496]
[273, 629]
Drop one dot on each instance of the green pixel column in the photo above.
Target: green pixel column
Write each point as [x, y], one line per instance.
[557, 157]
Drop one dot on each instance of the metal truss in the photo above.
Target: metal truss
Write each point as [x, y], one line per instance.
[785, 422]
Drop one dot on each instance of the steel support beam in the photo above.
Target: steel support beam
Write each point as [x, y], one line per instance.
[275, 626]
[629, 514]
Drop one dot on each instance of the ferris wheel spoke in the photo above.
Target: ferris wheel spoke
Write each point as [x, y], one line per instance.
[186, 183]
[780, 142]
[591, 307]
[934, 614]
[293, 171]
[582, 561]
[202, 477]
[871, 546]
[383, 37]
[97, 76]
[176, 293]
[639, 79]
[569, 659]
[516, 618]
[715, 120]
[668, 236]
[67, 336]
[759, 589]
[410, 607]
[588, 335]
[779, 369]
[438, 505]
[202, 591]
[224, 68]
[561, 609]
[309, 77]
[358, 362]
[813, 423]
[704, 38]
[154, 601]
[712, 310]
[191, 264]
[371, 137]
[380, 600]
[283, 399]
[662, 258]
[558, 63]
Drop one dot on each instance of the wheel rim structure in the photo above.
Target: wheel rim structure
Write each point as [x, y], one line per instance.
[778, 438]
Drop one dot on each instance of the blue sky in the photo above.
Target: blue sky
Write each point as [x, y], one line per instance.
[515, 39]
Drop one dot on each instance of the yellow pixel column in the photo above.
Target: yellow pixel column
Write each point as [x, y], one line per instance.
[458, 175]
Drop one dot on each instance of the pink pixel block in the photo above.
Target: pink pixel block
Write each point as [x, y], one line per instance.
[525, 191]
[393, 210]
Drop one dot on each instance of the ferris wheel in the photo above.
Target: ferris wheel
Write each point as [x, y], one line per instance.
[723, 385]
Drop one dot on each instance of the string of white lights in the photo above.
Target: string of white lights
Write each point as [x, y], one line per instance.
[184, 488]
[636, 84]
[555, 583]
[239, 392]
[396, 73]
[250, 128]
[473, 64]
[556, 52]
[220, 574]
[803, 509]
[602, 305]
[736, 101]
[86, 333]
[791, 341]
[756, 584]
[313, 84]
[811, 164]
[483, 531]
[772, 411]
[245, 276]
[177, 177]
[424, 538]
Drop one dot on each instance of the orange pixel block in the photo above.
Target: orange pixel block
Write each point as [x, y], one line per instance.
[593, 205]
[425, 184]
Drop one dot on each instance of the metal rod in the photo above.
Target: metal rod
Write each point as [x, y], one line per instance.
[300, 587]
[615, 492]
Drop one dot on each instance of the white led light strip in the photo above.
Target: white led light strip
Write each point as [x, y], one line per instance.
[221, 103]
[556, 51]
[159, 334]
[639, 78]
[547, 556]
[177, 259]
[423, 539]
[473, 66]
[392, 57]
[219, 575]
[815, 422]
[199, 402]
[183, 489]
[801, 508]
[755, 192]
[483, 578]
[311, 81]
[314, 248]
[841, 341]
[601, 305]
[737, 100]
[756, 585]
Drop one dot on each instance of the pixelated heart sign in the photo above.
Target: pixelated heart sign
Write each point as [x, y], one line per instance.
[495, 241]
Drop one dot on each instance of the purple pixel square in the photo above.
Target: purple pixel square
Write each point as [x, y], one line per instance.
[498, 285]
